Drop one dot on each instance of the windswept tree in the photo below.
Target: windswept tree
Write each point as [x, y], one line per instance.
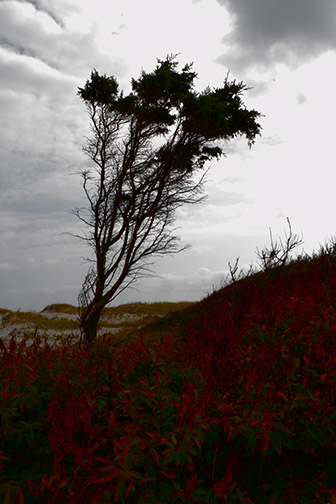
[146, 148]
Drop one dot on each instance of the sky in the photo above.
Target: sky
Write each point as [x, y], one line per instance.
[285, 51]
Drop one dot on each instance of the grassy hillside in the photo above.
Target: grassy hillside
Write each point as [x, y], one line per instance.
[228, 400]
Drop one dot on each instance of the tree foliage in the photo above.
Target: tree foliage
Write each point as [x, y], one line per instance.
[146, 148]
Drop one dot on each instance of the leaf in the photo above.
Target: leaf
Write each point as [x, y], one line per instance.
[108, 496]
[105, 461]
[332, 492]
[7, 495]
[129, 490]
[113, 473]
[252, 441]
[169, 474]
[276, 442]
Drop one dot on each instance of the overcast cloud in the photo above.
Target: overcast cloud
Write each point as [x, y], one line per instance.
[285, 49]
[267, 32]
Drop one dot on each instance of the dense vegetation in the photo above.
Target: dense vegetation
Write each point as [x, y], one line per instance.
[229, 400]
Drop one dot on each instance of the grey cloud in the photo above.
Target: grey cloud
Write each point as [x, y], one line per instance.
[34, 284]
[65, 50]
[257, 87]
[38, 141]
[269, 31]
[120, 28]
[48, 7]
[20, 73]
[42, 120]
[37, 203]
[222, 198]
[271, 140]
[301, 98]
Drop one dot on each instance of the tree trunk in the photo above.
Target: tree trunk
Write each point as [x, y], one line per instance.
[89, 321]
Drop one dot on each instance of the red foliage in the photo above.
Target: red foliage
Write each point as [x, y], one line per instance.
[247, 415]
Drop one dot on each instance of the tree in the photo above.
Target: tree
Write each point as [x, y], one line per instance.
[279, 253]
[146, 147]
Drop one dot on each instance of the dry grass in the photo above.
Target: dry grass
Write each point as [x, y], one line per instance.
[145, 309]
[119, 324]
[37, 320]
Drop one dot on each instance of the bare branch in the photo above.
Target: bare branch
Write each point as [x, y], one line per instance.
[279, 253]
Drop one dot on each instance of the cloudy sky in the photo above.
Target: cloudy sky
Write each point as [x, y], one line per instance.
[285, 50]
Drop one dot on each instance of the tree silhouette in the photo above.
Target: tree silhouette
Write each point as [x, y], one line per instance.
[146, 147]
